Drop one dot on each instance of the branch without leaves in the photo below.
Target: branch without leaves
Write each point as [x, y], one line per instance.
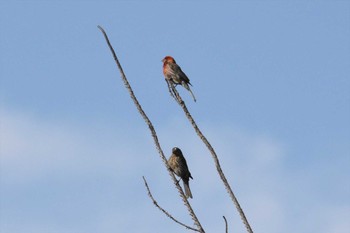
[163, 210]
[215, 157]
[226, 226]
[153, 133]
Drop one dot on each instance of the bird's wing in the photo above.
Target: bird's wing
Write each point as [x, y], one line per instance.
[186, 167]
[176, 70]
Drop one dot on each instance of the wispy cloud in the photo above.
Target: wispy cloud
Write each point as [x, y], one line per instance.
[56, 160]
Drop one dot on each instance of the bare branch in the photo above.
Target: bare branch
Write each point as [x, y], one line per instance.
[153, 133]
[163, 210]
[216, 160]
[170, 87]
[226, 226]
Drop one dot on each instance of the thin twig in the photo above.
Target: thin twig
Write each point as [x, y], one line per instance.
[226, 226]
[216, 160]
[153, 133]
[163, 210]
[170, 87]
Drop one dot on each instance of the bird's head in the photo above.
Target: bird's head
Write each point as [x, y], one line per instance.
[176, 150]
[168, 59]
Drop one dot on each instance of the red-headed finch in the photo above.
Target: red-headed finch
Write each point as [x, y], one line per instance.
[178, 165]
[173, 73]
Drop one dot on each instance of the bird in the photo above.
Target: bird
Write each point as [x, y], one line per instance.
[178, 165]
[173, 74]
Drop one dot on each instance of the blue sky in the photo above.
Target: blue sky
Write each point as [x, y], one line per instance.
[273, 89]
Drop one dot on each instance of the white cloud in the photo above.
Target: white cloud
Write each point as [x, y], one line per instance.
[33, 149]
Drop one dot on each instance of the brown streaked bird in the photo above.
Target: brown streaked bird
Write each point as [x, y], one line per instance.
[178, 165]
[173, 73]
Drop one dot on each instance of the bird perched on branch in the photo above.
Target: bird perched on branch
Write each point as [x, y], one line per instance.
[174, 75]
[178, 165]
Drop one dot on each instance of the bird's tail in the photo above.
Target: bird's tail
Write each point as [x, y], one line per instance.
[189, 89]
[187, 189]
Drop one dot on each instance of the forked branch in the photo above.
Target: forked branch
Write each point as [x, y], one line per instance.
[163, 210]
[153, 133]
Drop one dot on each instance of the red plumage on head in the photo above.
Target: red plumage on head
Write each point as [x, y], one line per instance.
[168, 59]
